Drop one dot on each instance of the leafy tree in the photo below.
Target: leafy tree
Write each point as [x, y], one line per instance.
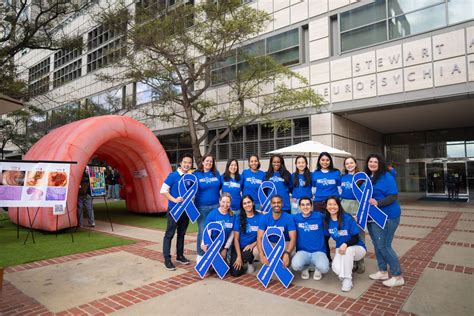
[174, 51]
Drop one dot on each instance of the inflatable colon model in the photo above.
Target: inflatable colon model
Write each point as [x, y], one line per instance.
[123, 142]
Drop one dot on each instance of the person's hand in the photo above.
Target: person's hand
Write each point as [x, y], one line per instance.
[342, 249]
[264, 259]
[204, 247]
[286, 259]
[178, 199]
[248, 247]
[224, 253]
[373, 202]
[238, 263]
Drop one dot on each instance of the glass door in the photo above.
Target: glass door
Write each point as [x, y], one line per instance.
[435, 178]
[456, 172]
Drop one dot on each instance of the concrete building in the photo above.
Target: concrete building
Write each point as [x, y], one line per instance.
[397, 76]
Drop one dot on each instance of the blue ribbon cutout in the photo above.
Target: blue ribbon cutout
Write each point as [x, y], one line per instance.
[265, 198]
[273, 254]
[365, 209]
[187, 194]
[212, 255]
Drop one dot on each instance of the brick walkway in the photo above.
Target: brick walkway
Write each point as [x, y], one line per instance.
[376, 300]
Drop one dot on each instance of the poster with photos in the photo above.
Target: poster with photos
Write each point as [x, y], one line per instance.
[97, 180]
[30, 184]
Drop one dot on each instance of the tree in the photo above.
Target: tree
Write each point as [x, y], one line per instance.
[173, 50]
[27, 24]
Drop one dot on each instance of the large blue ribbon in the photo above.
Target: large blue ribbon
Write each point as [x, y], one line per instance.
[365, 209]
[212, 255]
[265, 198]
[273, 254]
[187, 194]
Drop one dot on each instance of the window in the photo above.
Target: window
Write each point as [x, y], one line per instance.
[175, 145]
[385, 20]
[67, 73]
[106, 102]
[259, 139]
[39, 87]
[105, 45]
[284, 48]
[38, 78]
[64, 56]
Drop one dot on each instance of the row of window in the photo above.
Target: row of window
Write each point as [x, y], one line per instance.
[385, 20]
[107, 54]
[39, 70]
[284, 48]
[65, 56]
[67, 73]
[102, 34]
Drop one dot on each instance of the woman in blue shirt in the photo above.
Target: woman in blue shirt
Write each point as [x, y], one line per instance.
[301, 182]
[326, 180]
[207, 196]
[349, 201]
[385, 197]
[342, 227]
[232, 183]
[252, 179]
[225, 216]
[278, 174]
[245, 238]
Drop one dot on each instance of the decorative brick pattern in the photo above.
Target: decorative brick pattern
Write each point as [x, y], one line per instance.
[450, 267]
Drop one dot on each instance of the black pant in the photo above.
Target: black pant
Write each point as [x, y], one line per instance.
[171, 227]
[247, 256]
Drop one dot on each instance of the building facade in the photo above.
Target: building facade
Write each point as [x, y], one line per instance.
[397, 77]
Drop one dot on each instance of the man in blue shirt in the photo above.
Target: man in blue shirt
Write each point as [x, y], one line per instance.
[282, 220]
[170, 191]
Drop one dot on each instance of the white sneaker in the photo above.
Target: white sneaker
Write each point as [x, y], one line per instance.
[317, 275]
[394, 282]
[379, 275]
[346, 285]
[305, 274]
[250, 268]
[198, 258]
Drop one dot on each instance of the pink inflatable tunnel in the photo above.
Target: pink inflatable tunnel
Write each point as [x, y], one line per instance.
[125, 143]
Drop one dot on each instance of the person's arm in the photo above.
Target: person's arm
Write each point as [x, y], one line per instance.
[351, 242]
[290, 246]
[389, 199]
[165, 190]
[263, 258]
[238, 261]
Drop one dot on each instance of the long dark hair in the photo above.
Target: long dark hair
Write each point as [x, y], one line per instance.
[331, 164]
[382, 167]
[285, 174]
[227, 172]
[306, 174]
[243, 215]
[356, 168]
[340, 213]
[213, 169]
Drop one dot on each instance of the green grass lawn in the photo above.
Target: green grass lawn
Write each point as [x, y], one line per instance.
[120, 215]
[13, 252]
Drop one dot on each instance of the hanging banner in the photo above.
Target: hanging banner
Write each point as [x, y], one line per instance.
[30, 184]
[97, 180]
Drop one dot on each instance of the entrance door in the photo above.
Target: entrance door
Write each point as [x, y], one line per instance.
[435, 178]
[457, 171]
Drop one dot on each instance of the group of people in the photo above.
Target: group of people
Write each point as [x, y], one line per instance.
[309, 208]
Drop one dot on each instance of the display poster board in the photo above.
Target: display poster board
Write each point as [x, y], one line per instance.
[97, 180]
[34, 184]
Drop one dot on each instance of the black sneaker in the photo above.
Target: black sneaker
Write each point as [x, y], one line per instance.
[183, 260]
[169, 265]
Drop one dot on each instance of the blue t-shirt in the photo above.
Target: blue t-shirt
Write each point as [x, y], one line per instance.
[250, 234]
[283, 189]
[303, 189]
[310, 232]
[172, 181]
[234, 188]
[385, 186]
[349, 228]
[326, 184]
[285, 223]
[209, 186]
[227, 222]
[251, 183]
[346, 185]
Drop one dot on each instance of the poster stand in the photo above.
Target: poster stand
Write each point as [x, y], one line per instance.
[70, 224]
[17, 223]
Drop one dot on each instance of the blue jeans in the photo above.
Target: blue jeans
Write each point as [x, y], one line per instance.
[85, 201]
[382, 240]
[303, 259]
[203, 211]
[117, 191]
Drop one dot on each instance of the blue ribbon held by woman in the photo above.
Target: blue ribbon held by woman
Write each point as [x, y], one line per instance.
[366, 209]
[212, 255]
[265, 198]
[187, 194]
[273, 254]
